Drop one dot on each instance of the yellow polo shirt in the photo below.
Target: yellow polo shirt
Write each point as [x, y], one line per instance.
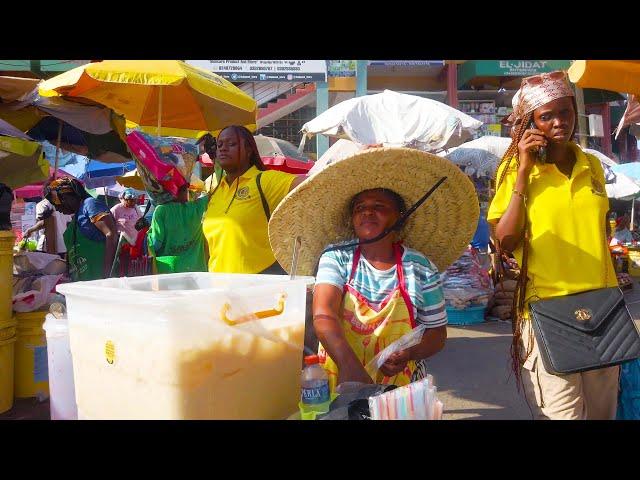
[235, 224]
[568, 250]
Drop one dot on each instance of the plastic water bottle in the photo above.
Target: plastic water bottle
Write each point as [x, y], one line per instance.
[315, 386]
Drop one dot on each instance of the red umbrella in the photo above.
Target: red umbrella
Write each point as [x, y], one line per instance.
[276, 154]
[287, 164]
[35, 189]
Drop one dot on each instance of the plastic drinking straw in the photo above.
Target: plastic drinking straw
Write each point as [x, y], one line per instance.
[406, 394]
[412, 408]
[439, 409]
[431, 403]
[429, 378]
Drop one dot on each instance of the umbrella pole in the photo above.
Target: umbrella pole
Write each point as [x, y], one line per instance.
[55, 163]
[159, 108]
[633, 211]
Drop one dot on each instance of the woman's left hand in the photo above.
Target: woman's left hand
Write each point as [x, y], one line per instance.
[396, 363]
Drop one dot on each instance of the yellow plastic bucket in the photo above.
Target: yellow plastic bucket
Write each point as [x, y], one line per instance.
[6, 274]
[7, 350]
[31, 367]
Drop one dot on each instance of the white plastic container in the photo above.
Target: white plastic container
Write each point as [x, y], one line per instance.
[187, 346]
[61, 390]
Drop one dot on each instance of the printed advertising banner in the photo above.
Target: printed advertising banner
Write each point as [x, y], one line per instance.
[266, 70]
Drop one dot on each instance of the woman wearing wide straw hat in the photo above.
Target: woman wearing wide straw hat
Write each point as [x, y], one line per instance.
[560, 194]
[376, 284]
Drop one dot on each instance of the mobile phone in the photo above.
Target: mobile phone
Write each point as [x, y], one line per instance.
[542, 151]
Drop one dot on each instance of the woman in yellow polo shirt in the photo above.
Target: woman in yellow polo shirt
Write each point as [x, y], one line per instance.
[236, 222]
[547, 177]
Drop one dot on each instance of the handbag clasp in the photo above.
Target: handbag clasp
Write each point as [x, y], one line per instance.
[583, 314]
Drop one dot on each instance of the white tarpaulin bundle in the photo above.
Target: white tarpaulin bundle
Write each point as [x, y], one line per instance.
[394, 120]
[479, 157]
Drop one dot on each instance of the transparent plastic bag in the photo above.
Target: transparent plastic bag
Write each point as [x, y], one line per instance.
[409, 340]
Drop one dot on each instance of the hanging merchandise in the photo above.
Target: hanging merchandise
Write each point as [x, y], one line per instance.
[163, 163]
[466, 283]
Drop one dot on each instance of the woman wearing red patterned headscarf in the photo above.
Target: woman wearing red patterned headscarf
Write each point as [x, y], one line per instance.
[550, 210]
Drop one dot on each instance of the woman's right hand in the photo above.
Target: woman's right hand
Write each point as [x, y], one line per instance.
[357, 373]
[528, 147]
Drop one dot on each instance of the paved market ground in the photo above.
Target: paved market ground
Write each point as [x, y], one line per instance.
[473, 376]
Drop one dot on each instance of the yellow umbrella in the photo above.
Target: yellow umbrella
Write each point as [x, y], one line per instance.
[615, 75]
[21, 162]
[176, 98]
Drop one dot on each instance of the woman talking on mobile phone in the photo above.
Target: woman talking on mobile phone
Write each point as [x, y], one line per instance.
[550, 212]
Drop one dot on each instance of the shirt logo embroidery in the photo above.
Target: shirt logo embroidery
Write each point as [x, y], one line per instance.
[243, 193]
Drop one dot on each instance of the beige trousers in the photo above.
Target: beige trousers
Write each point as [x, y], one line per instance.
[591, 395]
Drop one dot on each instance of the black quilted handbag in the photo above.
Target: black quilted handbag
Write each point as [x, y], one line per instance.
[584, 331]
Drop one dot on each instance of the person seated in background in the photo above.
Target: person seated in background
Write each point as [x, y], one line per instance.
[127, 214]
[623, 234]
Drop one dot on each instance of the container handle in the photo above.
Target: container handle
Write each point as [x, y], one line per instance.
[255, 315]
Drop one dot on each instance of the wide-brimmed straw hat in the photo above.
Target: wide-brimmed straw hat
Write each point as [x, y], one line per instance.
[317, 211]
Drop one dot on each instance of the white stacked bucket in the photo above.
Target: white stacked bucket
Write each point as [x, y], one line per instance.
[61, 386]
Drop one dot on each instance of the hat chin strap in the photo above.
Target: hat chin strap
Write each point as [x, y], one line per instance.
[396, 227]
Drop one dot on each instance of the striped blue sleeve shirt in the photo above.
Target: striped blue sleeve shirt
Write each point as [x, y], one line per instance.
[422, 279]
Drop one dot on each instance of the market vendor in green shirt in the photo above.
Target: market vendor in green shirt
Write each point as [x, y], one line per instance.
[175, 238]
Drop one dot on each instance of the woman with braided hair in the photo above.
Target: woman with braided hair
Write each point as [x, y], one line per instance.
[235, 223]
[91, 237]
[550, 210]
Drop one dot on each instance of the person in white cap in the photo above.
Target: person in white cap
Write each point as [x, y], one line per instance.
[127, 214]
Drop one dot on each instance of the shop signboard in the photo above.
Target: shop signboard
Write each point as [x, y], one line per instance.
[266, 70]
[341, 68]
[508, 68]
[407, 63]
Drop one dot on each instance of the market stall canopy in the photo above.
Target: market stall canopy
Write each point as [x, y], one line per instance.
[183, 100]
[131, 180]
[631, 170]
[615, 75]
[88, 129]
[479, 157]
[9, 130]
[15, 88]
[631, 115]
[21, 162]
[395, 120]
